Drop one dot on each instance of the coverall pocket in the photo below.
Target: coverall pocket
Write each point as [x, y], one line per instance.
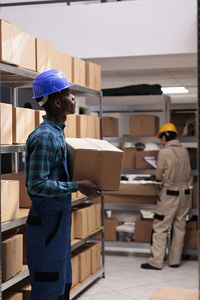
[54, 231]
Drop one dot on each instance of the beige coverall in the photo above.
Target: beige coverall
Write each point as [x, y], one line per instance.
[174, 203]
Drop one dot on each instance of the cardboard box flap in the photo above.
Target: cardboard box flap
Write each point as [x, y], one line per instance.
[167, 293]
[102, 145]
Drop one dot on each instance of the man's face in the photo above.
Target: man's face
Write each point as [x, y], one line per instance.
[68, 103]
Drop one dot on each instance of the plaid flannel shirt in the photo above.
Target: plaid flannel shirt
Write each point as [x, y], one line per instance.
[44, 170]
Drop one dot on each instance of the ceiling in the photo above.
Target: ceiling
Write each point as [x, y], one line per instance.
[166, 70]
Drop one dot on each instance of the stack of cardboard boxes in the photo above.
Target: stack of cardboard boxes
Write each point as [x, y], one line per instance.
[24, 50]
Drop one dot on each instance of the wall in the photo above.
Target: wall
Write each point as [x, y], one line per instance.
[115, 29]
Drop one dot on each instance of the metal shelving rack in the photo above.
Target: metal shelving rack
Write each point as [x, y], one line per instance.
[189, 142]
[14, 78]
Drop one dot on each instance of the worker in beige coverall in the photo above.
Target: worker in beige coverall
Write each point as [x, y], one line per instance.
[174, 203]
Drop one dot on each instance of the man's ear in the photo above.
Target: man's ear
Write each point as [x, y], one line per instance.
[57, 102]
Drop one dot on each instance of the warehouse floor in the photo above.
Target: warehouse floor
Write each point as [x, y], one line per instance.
[125, 280]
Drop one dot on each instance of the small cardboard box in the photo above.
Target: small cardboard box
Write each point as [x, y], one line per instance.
[23, 124]
[91, 219]
[91, 127]
[70, 129]
[81, 223]
[24, 51]
[110, 232]
[84, 265]
[191, 239]
[97, 128]
[110, 126]
[90, 75]
[95, 160]
[6, 123]
[38, 117]
[139, 159]
[129, 158]
[14, 296]
[72, 225]
[63, 62]
[168, 293]
[24, 199]
[143, 230]
[81, 126]
[98, 215]
[97, 77]
[9, 200]
[7, 37]
[95, 251]
[44, 56]
[75, 270]
[78, 71]
[144, 125]
[12, 256]
[26, 290]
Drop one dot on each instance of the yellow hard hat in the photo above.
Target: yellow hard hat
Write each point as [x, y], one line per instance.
[166, 127]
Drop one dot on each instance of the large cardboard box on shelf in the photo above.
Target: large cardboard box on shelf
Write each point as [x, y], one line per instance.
[129, 158]
[75, 270]
[24, 200]
[63, 62]
[110, 126]
[14, 296]
[95, 252]
[44, 56]
[91, 218]
[191, 239]
[92, 76]
[84, 265]
[72, 225]
[144, 125]
[9, 200]
[110, 232]
[169, 293]
[38, 117]
[81, 223]
[180, 119]
[134, 194]
[139, 159]
[143, 230]
[70, 129]
[12, 256]
[81, 126]
[24, 51]
[78, 71]
[6, 123]
[23, 124]
[96, 160]
[16, 47]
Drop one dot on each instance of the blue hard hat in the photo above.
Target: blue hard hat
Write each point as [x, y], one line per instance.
[49, 82]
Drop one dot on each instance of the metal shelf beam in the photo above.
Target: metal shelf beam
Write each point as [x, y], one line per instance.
[85, 284]
[79, 243]
[20, 276]
[129, 207]
[12, 148]
[13, 224]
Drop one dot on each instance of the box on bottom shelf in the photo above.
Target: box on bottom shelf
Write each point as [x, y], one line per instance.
[143, 230]
[12, 256]
[14, 296]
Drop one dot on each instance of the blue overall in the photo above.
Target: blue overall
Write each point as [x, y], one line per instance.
[49, 243]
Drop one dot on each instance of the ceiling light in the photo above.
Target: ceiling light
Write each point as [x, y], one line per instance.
[174, 90]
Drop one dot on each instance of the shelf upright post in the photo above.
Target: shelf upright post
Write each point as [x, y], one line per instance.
[15, 156]
[102, 194]
[101, 113]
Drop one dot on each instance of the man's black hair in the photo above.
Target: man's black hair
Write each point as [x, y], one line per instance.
[169, 135]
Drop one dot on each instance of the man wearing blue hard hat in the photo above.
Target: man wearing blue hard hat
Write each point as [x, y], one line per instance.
[49, 187]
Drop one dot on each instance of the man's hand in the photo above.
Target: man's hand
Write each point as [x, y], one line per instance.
[88, 188]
